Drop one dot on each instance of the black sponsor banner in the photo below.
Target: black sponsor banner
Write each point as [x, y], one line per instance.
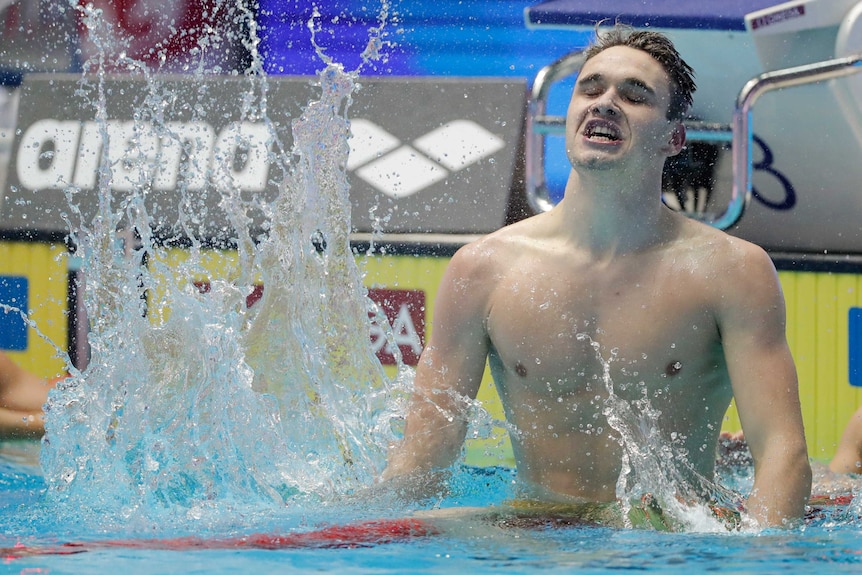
[427, 154]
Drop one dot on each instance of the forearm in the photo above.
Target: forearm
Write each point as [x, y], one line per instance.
[782, 488]
[847, 459]
[435, 423]
[848, 456]
[422, 450]
[416, 467]
[21, 424]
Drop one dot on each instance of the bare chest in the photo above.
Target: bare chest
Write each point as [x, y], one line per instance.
[571, 333]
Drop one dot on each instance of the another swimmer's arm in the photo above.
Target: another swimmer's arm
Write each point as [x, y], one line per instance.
[448, 375]
[765, 386]
[848, 456]
[22, 395]
[21, 424]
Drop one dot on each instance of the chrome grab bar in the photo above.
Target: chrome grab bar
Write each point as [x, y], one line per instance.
[539, 125]
[742, 132]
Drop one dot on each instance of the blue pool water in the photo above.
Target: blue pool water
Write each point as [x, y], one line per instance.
[831, 543]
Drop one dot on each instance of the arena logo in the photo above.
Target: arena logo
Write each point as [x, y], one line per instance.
[399, 170]
[55, 154]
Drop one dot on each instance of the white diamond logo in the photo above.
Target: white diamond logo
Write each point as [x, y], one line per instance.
[367, 142]
[459, 144]
[402, 173]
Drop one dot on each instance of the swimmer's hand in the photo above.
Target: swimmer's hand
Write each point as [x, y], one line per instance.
[414, 488]
[420, 486]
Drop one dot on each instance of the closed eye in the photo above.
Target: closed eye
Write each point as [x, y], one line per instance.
[592, 93]
[590, 86]
[632, 89]
[636, 91]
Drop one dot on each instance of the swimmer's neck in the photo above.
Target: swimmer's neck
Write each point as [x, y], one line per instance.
[608, 222]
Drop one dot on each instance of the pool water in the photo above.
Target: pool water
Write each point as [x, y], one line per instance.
[831, 542]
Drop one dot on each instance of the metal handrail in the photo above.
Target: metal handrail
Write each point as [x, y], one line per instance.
[739, 133]
[537, 125]
[743, 135]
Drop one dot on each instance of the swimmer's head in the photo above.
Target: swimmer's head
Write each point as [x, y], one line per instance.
[662, 51]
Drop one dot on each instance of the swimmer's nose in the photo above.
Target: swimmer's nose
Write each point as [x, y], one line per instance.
[605, 108]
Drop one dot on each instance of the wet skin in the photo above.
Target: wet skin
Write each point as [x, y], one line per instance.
[687, 316]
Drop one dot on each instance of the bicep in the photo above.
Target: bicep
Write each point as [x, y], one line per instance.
[759, 361]
[454, 359]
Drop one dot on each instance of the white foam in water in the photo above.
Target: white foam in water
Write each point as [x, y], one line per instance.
[213, 406]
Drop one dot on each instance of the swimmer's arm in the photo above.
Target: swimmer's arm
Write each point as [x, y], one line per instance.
[848, 456]
[765, 386]
[21, 424]
[22, 395]
[448, 375]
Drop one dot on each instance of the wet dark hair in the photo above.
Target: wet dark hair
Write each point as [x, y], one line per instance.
[663, 51]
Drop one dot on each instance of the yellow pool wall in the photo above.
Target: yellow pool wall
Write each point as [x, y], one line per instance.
[818, 305]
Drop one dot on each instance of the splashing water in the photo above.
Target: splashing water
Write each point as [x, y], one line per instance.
[193, 401]
[655, 464]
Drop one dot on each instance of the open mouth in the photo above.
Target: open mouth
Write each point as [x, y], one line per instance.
[602, 132]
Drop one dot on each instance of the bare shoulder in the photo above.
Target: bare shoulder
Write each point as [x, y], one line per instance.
[493, 254]
[466, 293]
[737, 268]
[726, 254]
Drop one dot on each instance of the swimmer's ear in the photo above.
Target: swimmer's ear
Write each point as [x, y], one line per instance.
[677, 140]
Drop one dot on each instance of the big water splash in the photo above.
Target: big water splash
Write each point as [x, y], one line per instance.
[194, 402]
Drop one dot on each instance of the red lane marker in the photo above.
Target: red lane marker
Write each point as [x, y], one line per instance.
[830, 500]
[366, 534]
[819, 505]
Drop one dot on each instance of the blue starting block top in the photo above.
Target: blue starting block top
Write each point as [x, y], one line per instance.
[700, 15]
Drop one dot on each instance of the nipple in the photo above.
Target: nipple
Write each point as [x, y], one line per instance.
[673, 368]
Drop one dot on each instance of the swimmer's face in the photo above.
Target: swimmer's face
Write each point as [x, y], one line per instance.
[618, 112]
